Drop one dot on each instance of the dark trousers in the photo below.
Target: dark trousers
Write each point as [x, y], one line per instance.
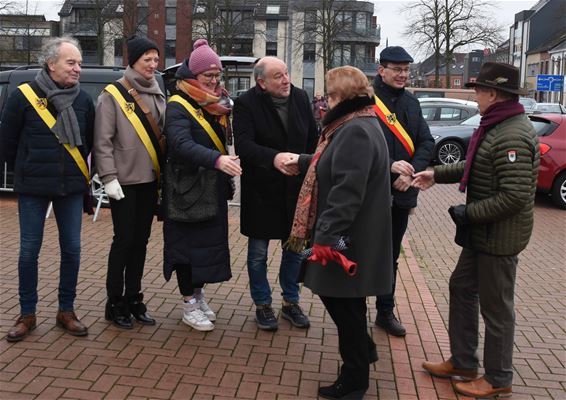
[354, 342]
[399, 221]
[484, 282]
[132, 217]
[185, 280]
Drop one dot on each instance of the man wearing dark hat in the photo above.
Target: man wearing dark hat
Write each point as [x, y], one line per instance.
[128, 158]
[410, 150]
[499, 177]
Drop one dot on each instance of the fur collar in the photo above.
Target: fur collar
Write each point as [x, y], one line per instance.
[346, 107]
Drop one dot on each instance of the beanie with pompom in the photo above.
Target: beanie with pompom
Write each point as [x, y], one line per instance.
[203, 58]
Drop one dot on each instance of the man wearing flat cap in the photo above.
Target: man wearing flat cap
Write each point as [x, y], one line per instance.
[410, 147]
[499, 177]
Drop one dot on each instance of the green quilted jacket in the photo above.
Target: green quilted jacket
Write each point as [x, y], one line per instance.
[501, 189]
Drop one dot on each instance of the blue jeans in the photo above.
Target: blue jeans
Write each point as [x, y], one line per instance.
[257, 272]
[68, 214]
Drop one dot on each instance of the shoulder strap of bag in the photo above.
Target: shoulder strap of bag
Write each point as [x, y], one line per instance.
[391, 121]
[131, 90]
[40, 106]
[137, 118]
[202, 121]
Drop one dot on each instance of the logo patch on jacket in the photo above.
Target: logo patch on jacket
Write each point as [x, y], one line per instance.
[41, 103]
[512, 155]
[130, 107]
[391, 118]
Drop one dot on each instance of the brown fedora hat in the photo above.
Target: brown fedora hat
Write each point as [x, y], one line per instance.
[499, 76]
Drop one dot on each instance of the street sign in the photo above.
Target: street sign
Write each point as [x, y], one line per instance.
[550, 83]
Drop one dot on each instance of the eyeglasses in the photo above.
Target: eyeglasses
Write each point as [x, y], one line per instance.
[210, 76]
[398, 70]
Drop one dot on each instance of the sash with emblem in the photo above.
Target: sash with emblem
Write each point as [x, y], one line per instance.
[41, 107]
[390, 120]
[140, 122]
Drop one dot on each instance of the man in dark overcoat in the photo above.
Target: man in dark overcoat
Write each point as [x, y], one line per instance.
[273, 121]
[410, 147]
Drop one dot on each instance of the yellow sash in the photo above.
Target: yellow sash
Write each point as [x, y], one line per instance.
[50, 120]
[394, 126]
[138, 127]
[200, 119]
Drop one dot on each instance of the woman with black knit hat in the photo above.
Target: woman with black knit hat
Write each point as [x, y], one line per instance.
[196, 126]
[128, 160]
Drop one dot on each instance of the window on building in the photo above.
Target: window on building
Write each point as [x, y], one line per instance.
[272, 9]
[343, 55]
[236, 48]
[170, 49]
[272, 24]
[475, 59]
[142, 15]
[85, 15]
[310, 19]
[345, 19]
[308, 86]
[361, 22]
[89, 45]
[271, 49]
[532, 69]
[171, 15]
[118, 47]
[309, 50]
[237, 84]
[457, 82]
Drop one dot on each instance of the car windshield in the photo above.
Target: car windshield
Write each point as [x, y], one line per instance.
[472, 121]
[527, 102]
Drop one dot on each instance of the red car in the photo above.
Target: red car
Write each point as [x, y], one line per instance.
[551, 130]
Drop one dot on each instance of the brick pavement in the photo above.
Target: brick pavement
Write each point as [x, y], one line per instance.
[236, 360]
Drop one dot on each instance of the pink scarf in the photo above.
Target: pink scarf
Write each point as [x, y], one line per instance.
[495, 114]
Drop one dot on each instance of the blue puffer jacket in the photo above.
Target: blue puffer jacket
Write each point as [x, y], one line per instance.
[40, 163]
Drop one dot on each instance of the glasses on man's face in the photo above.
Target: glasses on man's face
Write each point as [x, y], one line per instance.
[210, 76]
[398, 70]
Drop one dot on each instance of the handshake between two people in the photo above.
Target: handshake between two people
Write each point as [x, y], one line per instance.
[408, 178]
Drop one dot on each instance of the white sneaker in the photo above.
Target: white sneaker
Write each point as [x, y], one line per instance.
[196, 319]
[203, 305]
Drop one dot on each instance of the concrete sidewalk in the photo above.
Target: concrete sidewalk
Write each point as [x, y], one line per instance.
[236, 360]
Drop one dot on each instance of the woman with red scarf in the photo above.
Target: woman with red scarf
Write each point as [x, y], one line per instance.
[196, 126]
[346, 193]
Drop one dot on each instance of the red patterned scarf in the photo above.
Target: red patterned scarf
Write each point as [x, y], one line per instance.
[305, 213]
[495, 114]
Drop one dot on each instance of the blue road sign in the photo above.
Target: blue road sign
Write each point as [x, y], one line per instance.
[550, 83]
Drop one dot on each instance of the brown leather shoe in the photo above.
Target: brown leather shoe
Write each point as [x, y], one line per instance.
[480, 388]
[70, 323]
[23, 326]
[445, 369]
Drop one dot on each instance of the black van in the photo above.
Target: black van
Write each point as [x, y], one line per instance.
[93, 79]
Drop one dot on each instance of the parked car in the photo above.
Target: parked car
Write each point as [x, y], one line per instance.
[442, 111]
[528, 103]
[93, 79]
[551, 129]
[451, 142]
[553, 108]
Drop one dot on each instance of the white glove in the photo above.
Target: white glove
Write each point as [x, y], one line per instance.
[114, 190]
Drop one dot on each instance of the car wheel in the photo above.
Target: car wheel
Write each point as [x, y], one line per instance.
[559, 190]
[450, 152]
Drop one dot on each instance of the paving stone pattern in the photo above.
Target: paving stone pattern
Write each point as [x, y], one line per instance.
[238, 361]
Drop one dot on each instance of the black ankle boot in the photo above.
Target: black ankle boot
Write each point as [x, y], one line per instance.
[117, 312]
[139, 310]
[342, 390]
[389, 322]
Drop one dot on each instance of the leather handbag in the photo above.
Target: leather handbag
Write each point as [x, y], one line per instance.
[191, 194]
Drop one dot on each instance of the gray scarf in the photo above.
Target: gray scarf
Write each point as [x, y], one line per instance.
[66, 127]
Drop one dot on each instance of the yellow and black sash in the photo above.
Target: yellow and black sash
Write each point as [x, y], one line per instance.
[40, 106]
[391, 121]
[199, 117]
[139, 121]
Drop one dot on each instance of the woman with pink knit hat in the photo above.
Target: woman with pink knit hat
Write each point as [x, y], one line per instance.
[196, 125]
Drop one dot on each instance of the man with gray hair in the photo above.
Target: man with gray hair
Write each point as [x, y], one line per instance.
[273, 121]
[45, 137]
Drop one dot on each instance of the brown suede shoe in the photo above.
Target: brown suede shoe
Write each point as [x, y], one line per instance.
[70, 323]
[480, 388]
[23, 326]
[445, 369]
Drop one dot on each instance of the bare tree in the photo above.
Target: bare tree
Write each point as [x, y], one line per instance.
[225, 24]
[442, 27]
[326, 26]
[7, 6]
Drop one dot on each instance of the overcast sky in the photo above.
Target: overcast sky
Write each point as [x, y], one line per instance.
[392, 22]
